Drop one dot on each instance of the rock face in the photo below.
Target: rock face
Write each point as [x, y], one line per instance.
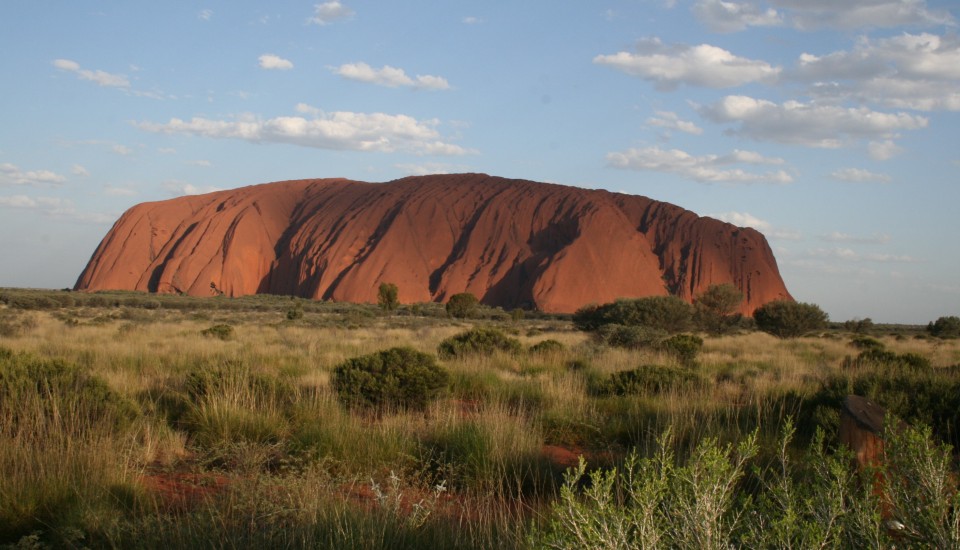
[512, 243]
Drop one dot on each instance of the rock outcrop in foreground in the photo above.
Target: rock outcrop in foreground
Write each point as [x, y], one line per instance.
[512, 243]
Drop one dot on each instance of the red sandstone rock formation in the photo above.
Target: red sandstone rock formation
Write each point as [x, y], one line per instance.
[512, 243]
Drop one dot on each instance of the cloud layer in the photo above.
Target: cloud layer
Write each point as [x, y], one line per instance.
[704, 169]
[391, 77]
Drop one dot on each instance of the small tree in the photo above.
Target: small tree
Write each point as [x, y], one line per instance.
[388, 296]
[462, 305]
[945, 327]
[787, 319]
[716, 308]
[667, 313]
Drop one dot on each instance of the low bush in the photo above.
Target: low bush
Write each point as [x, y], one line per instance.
[462, 305]
[397, 377]
[685, 347]
[30, 386]
[866, 343]
[629, 337]
[667, 313]
[787, 319]
[547, 347]
[221, 331]
[647, 380]
[478, 341]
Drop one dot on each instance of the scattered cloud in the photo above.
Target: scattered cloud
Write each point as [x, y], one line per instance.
[201, 163]
[908, 71]
[11, 174]
[859, 14]
[745, 219]
[704, 169]
[883, 150]
[122, 150]
[54, 207]
[704, 65]
[429, 168]
[838, 237]
[275, 62]
[670, 121]
[178, 188]
[851, 255]
[205, 14]
[167, 151]
[328, 12]
[119, 191]
[808, 124]
[390, 77]
[472, 20]
[79, 170]
[721, 16]
[859, 175]
[342, 130]
[102, 78]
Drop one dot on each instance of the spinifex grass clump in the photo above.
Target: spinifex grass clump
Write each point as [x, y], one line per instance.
[221, 331]
[647, 380]
[397, 377]
[481, 341]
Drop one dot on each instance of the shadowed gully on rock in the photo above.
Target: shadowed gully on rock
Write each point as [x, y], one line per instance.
[512, 243]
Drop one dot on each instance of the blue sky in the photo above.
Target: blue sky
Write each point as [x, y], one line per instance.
[833, 130]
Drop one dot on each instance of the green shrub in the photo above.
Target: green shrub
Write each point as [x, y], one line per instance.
[667, 313]
[462, 305]
[647, 380]
[221, 331]
[397, 377]
[715, 310]
[945, 327]
[888, 361]
[685, 347]
[478, 341]
[547, 347]
[59, 391]
[295, 313]
[630, 337]
[866, 343]
[787, 319]
[388, 296]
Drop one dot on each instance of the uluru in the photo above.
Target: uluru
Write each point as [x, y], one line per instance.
[512, 243]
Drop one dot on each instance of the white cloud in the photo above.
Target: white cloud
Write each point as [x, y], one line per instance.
[808, 124]
[11, 174]
[428, 168]
[201, 163]
[745, 219]
[670, 121]
[838, 237]
[79, 170]
[908, 71]
[119, 191]
[857, 14]
[705, 169]
[179, 188]
[205, 14]
[167, 151]
[703, 65]
[721, 16]
[328, 12]
[859, 175]
[270, 61]
[390, 77]
[122, 150]
[102, 78]
[341, 130]
[55, 208]
[851, 255]
[472, 20]
[883, 150]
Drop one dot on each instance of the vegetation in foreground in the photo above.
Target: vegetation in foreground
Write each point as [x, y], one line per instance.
[130, 420]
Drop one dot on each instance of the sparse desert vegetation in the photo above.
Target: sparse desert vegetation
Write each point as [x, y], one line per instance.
[131, 420]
